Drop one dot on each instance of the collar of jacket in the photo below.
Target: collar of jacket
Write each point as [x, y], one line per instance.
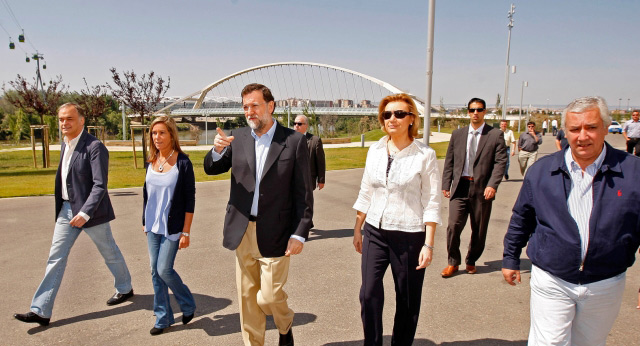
[611, 161]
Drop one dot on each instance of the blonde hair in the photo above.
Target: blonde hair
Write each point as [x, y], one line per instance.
[413, 129]
[173, 131]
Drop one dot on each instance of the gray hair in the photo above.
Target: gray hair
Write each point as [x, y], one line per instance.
[582, 104]
[306, 120]
[74, 105]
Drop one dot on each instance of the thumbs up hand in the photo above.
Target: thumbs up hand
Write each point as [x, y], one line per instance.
[221, 141]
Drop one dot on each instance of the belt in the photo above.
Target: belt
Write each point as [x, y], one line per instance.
[252, 218]
[467, 178]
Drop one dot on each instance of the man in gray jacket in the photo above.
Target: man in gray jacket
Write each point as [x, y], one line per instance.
[528, 147]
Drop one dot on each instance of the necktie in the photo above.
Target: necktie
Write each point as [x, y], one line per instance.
[472, 151]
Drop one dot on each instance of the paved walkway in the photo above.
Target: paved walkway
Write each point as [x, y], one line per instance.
[323, 285]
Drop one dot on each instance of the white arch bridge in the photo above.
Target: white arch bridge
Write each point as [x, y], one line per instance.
[299, 88]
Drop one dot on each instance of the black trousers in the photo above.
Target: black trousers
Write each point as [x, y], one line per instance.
[633, 143]
[400, 249]
[465, 203]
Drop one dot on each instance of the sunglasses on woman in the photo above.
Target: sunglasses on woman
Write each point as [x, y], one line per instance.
[398, 114]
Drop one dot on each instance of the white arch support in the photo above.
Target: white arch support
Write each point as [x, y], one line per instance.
[204, 91]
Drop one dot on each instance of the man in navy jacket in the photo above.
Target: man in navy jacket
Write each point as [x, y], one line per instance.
[82, 204]
[578, 212]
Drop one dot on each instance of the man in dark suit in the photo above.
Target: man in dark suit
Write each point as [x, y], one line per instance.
[82, 204]
[316, 152]
[269, 210]
[473, 169]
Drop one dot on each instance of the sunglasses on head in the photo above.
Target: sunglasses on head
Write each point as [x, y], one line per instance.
[473, 110]
[299, 124]
[398, 114]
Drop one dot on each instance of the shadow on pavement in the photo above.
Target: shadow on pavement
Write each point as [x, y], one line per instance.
[496, 266]
[424, 342]
[230, 324]
[319, 234]
[204, 305]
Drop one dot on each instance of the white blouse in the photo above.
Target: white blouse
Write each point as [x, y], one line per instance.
[409, 197]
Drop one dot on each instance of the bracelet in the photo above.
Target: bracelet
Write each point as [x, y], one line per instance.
[428, 247]
[185, 234]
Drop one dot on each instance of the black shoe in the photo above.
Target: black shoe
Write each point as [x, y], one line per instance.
[31, 317]
[506, 176]
[119, 298]
[187, 318]
[156, 331]
[286, 339]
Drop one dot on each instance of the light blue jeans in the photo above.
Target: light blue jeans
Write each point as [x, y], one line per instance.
[64, 236]
[162, 255]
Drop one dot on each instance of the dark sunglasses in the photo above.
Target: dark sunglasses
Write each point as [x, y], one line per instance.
[299, 124]
[399, 114]
[473, 110]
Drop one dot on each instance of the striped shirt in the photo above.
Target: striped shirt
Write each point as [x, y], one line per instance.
[580, 201]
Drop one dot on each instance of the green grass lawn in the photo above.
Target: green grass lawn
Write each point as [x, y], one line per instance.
[19, 178]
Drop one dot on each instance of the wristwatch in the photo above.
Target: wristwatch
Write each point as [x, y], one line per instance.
[185, 234]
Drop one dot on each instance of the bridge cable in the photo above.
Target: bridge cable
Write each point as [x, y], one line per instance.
[330, 88]
[293, 86]
[324, 91]
[315, 85]
[284, 80]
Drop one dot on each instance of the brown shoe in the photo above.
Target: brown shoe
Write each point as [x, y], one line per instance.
[449, 271]
[471, 269]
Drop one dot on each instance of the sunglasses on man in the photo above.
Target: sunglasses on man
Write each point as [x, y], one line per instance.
[479, 110]
[399, 114]
[299, 124]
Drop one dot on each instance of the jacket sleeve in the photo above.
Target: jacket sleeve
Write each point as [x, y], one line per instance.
[302, 191]
[500, 162]
[189, 187]
[522, 225]
[145, 197]
[447, 171]
[99, 160]
[320, 162]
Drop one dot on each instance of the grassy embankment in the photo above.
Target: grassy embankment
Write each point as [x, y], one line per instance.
[19, 178]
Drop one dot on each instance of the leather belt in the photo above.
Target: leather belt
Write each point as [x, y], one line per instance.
[252, 218]
[467, 178]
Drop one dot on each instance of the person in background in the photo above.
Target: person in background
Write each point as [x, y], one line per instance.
[510, 141]
[631, 132]
[316, 152]
[399, 206]
[561, 140]
[473, 169]
[554, 126]
[545, 125]
[576, 216]
[528, 147]
[169, 197]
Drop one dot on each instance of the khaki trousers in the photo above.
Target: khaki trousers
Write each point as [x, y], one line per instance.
[526, 159]
[260, 282]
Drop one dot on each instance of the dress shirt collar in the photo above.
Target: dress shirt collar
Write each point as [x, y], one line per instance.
[479, 129]
[74, 141]
[269, 133]
[575, 167]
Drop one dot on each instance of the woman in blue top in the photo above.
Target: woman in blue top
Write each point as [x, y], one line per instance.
[169, 200]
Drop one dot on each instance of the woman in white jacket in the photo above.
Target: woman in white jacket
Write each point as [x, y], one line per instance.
[398, 208]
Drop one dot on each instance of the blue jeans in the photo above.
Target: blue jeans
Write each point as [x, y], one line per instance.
[64, 236]
[162, 254]
[506, 170]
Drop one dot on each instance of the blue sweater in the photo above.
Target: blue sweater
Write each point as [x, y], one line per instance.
[541, 218]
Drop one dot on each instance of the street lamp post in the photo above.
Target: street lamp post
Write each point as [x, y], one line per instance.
[506, 74]
[524, 84]
[547, 106]
[628, 104]
[619, 103]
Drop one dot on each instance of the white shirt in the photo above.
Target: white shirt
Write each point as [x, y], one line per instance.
[509, 138]
[64, 170]
[554, 123]
[544, 124]
[580, 201]
[406, 199]
[465, 170]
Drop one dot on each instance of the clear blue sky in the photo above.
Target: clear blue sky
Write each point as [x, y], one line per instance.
[564, 49]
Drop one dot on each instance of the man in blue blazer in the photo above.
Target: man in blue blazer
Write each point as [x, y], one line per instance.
[82, 204]
[269, 210]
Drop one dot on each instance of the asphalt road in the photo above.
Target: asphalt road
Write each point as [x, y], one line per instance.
[323, 285]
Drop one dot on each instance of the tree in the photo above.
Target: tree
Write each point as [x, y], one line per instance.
[140, 93]
[498, 108]
[35, 99]
[442, 111]
[93, 102]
